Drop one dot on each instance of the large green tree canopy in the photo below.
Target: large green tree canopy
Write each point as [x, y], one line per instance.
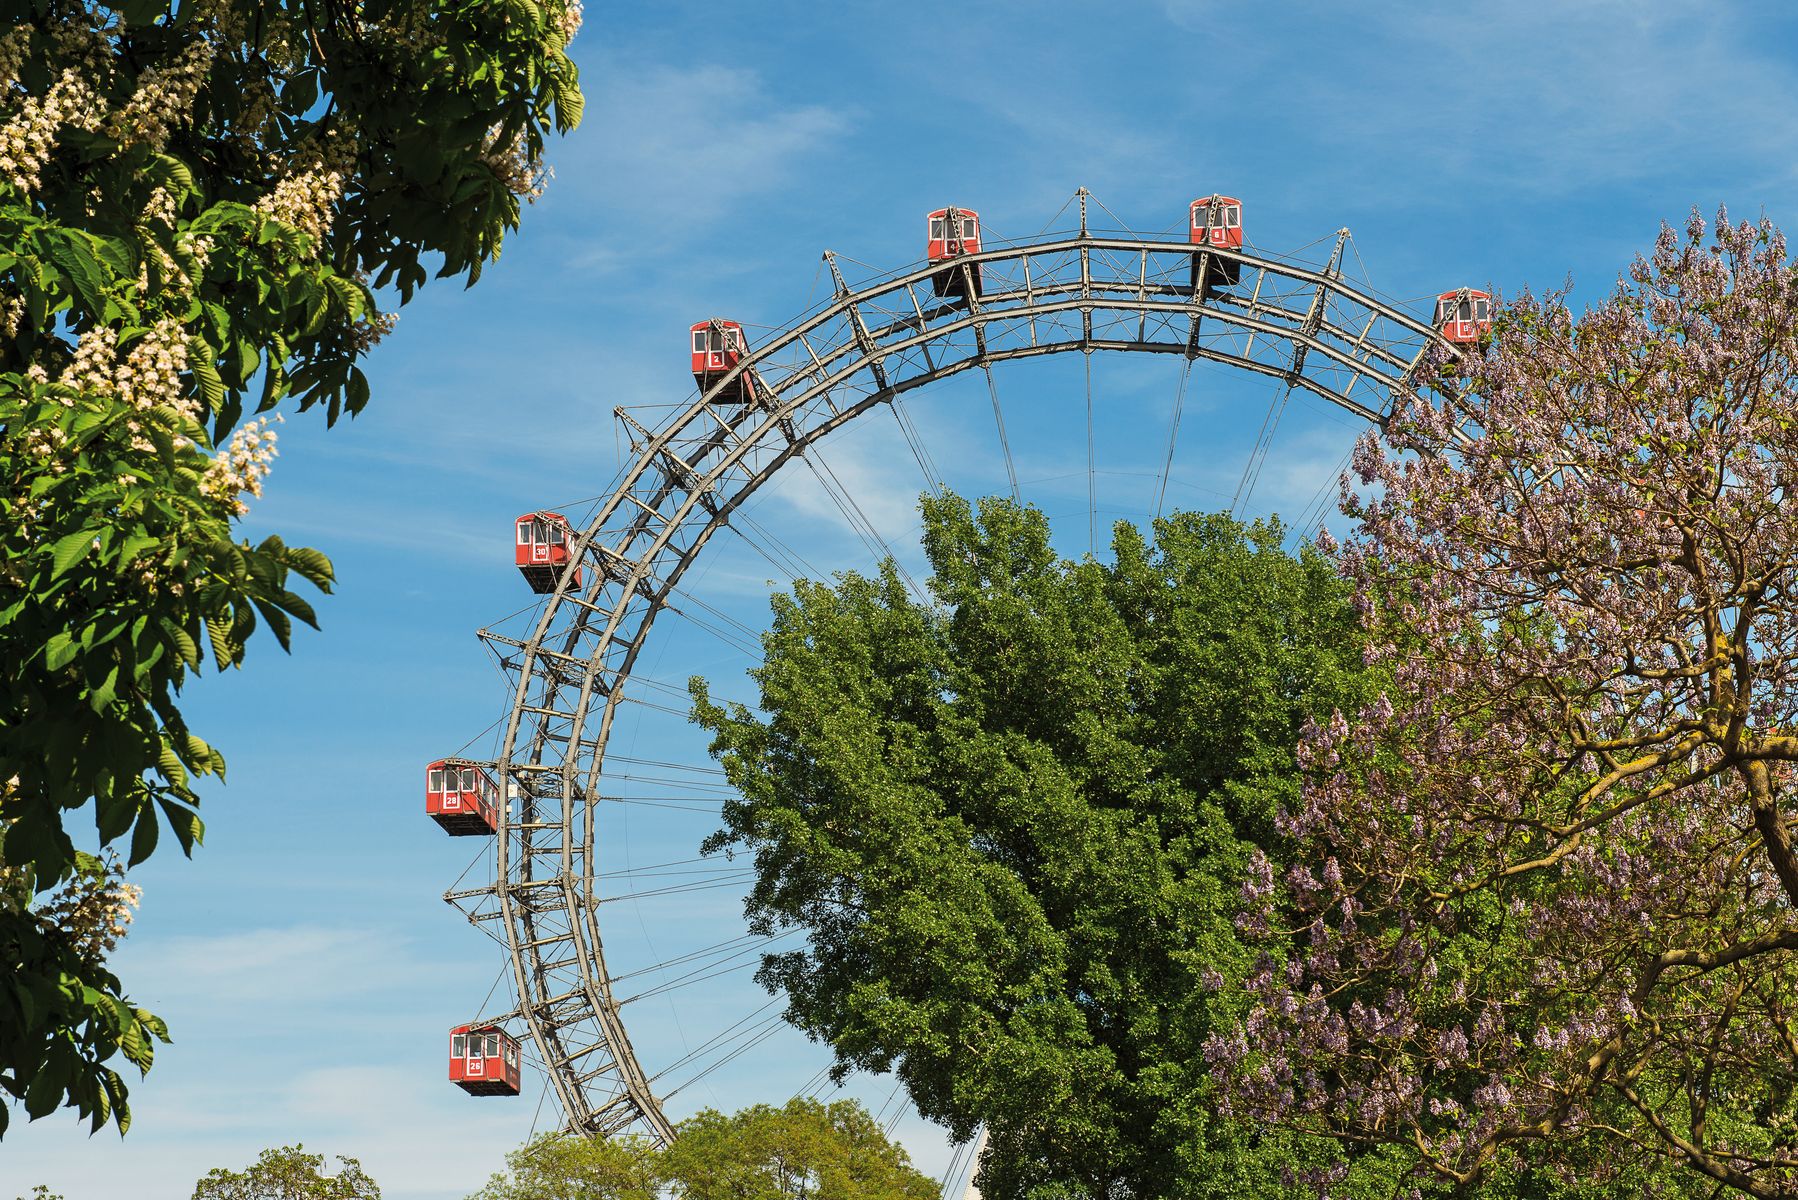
[1012, 823]
[1018, 823]
[203, 206]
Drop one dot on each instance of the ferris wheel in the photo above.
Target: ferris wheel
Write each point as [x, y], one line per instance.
[551, 801]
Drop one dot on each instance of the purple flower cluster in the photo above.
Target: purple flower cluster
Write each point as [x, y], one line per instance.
[1547, 888]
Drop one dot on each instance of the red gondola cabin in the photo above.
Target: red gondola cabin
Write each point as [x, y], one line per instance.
[543, 543]
[461, 797]
[1464, 315]
[484, 1060]
[1216, 222]
[952, 233]
[717, 347]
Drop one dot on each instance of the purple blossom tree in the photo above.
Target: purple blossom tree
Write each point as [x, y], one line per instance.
[1552, 910]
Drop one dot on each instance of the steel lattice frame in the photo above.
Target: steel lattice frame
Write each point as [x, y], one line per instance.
[1302, 326]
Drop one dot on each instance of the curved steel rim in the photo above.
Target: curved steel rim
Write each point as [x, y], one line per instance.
[691, 472]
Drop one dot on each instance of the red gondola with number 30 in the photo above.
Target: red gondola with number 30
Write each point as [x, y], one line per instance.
[544, 543]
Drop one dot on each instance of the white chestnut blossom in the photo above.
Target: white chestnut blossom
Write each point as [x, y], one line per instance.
[568, 21]
[12, 54]
[306, 196]
[93, 911]
[29, 136]
[163, 99]
[147, 376]
[241, 464]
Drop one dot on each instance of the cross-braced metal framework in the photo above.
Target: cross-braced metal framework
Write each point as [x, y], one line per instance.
[1303, 326]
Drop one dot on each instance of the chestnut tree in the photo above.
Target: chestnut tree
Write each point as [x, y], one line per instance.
[204, 205]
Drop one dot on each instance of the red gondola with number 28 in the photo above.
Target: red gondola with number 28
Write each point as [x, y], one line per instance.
[484, 1060]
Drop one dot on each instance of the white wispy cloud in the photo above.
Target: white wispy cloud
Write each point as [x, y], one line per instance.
[286, 968]
[665, 147]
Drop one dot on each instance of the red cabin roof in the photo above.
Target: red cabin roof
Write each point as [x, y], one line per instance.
[1217, 221]
[718, 346]
[1464, 315]
[543, 542]
[460, 796]
[952, 232]
[484, 1061]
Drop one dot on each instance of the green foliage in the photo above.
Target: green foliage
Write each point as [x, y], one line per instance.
[117, 586]
[288, 1174]
[561, 1166]
[63, 1015]
[804, 1149]
[120, 586]
[423, 108]
[1013, 825]
[198, 205]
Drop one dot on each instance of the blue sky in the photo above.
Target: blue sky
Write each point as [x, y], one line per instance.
[304, 959]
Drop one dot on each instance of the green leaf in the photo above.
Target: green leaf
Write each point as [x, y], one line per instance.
[356, 394]
[298, 607]
[72, 251]
[60, 651]
[169, 763]
[185, 647]
[102, 1107]
[312, 565]
[46, 1092]
[134, 545]
[113, 813]
[171, 173]
[69, 550]
[564, 83]
[202, 757]
[99, 698]
[278, 623]
[184, 823]
[23, 1000]
[33, 841]
[248, 359]
[206, 375]
[135, 1045]
[143, 838]
[224, 653]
